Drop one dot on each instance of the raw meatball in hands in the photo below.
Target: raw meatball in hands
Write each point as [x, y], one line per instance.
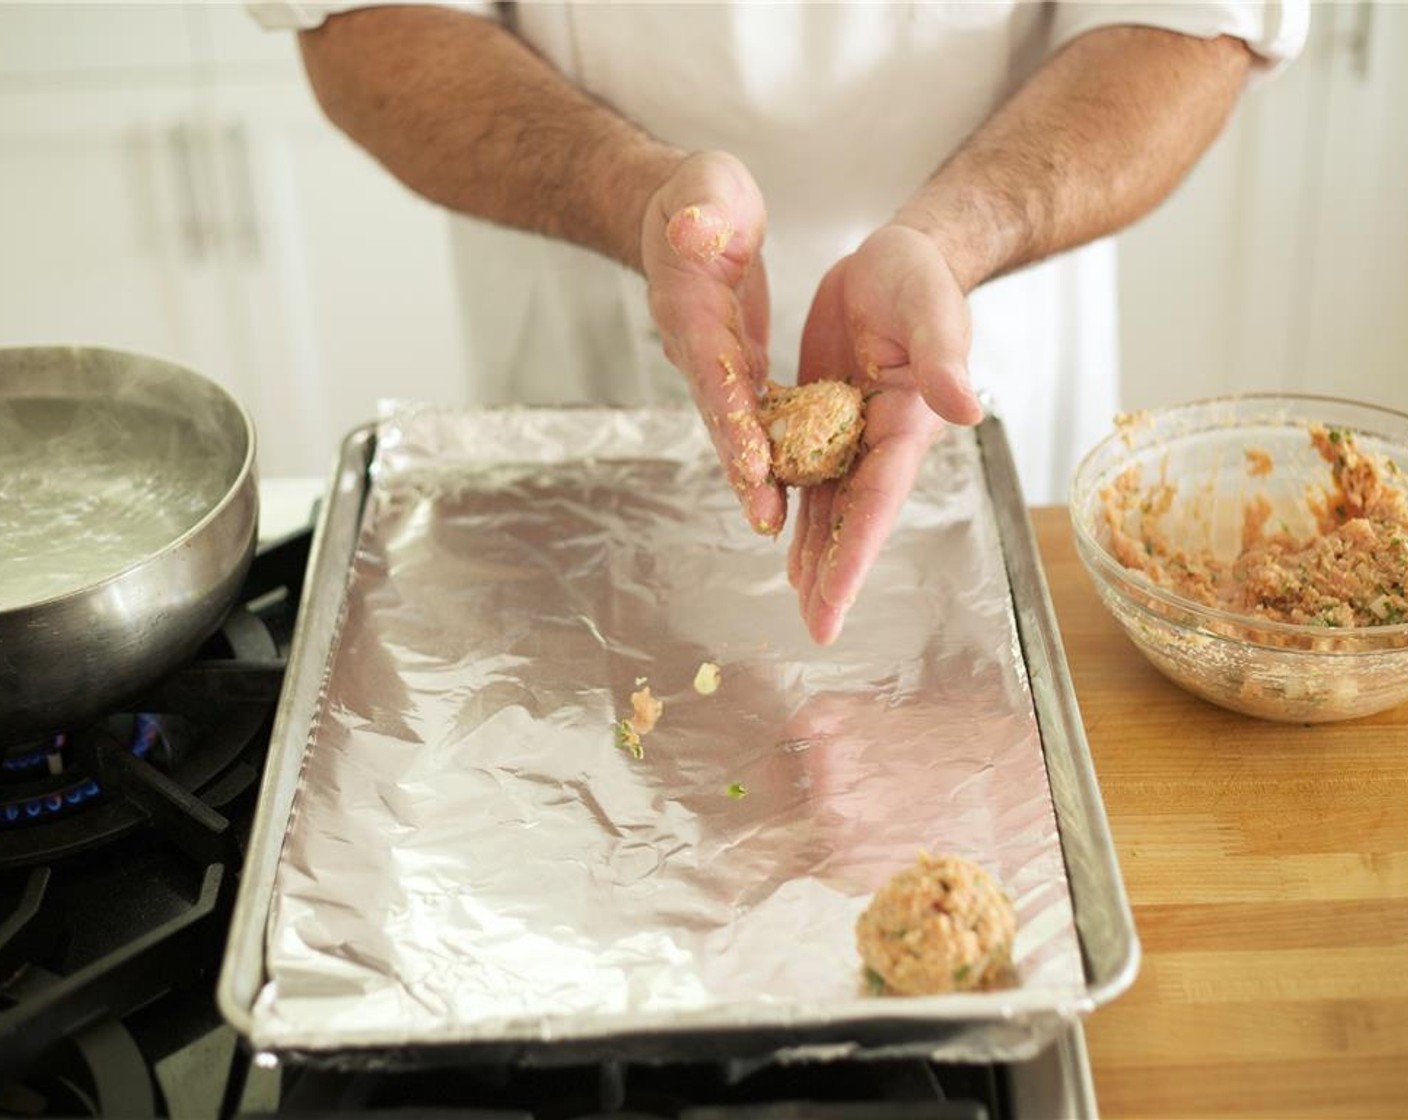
[892, 319]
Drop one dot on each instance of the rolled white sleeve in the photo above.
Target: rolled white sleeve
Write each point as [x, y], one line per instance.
[1274, 30]
[291, 15]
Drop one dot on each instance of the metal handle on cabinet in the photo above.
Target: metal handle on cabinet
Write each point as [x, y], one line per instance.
[242, 192]
[1361, 39]
[192, 221]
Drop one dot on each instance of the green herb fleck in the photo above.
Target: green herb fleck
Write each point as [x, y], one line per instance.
[737, 790]
[1336, 435]
[960, 973]
[874, 982]
[628, 740]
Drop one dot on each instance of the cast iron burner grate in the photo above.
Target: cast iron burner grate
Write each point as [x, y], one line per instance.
[899, 1089]
[113, 900]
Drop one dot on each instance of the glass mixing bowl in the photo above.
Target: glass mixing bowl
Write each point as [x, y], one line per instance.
[1274, 670]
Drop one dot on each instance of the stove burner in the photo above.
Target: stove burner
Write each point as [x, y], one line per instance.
[91, 945]
[54, 766]
[18, 812]
[43, 757]
[190, 744]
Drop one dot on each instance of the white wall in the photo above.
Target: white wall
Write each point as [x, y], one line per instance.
[1283, 262]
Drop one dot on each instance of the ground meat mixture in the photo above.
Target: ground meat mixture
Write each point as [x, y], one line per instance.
[814, 430]
[942, 925]
[1351, 572]
[645, 713]
[1259, 463]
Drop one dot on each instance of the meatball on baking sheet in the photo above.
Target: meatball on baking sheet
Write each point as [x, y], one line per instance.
[490, 837]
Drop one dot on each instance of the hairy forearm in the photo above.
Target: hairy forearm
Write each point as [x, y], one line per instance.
[464, 113]
[1096, 139]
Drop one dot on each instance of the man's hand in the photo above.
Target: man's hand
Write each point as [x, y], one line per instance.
[472, 118]
[469, 116]
[892, 319]
[701, 251]
[1097, 137]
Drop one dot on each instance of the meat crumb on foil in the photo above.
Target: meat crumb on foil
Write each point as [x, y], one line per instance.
[941, 925]
[645, 713]
[814, 430]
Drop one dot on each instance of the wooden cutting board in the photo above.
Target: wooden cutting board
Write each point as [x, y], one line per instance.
[1267, 865]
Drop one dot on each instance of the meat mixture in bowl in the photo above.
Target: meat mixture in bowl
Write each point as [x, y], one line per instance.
[1350, 572]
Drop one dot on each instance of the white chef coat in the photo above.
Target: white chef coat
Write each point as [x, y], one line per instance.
[840, 111]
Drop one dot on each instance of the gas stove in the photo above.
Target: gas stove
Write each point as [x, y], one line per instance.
[120, 847]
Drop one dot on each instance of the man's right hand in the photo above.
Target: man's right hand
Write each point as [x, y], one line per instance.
[701, 252]
[466, 114]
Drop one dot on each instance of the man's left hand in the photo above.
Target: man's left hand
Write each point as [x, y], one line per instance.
[892, 319]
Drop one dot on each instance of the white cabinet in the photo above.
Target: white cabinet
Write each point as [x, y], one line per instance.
[188, 200]
[1353, 309]
[345, 286]
[75, 45]
[98, 226]
[1282, 264]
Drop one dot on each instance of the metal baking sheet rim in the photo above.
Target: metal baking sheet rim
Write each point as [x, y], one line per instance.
[975, 1026]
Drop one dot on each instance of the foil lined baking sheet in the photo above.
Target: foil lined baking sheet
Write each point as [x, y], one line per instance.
[471, 856]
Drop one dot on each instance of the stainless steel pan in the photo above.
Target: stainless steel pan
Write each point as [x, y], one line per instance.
[128, 516]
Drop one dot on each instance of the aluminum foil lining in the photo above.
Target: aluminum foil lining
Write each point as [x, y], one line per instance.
[471, 856]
